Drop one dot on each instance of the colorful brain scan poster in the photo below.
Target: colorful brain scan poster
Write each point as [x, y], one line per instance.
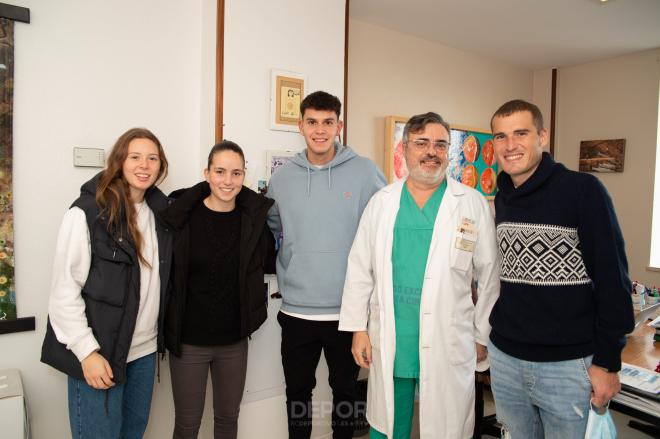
[472, 160]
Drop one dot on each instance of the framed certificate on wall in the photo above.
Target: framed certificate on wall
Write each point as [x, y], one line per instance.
[287, 91]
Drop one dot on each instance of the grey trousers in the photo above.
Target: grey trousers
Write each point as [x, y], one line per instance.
[189, 372]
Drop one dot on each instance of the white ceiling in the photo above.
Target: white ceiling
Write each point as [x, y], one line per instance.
[535, 34]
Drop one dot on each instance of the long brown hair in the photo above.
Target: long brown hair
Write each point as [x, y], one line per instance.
[113, 194]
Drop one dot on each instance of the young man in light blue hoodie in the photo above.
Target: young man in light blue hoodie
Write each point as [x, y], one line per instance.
[319, 198]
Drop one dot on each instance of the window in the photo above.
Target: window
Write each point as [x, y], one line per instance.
[655, 228]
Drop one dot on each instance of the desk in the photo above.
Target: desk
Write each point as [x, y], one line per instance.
[640, 351]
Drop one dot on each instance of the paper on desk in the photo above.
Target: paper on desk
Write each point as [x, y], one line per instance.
[655, 323]
[639, 378]
[640, 403]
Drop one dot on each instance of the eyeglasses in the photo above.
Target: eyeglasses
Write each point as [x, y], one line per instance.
[423, 144]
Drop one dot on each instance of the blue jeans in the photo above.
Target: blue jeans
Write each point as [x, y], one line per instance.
[536, 400]
[121, 412]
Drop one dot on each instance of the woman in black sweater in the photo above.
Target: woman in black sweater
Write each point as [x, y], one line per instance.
[222, 249]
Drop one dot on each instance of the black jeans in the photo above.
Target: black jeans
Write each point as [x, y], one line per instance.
[302, 342]
[228, 365]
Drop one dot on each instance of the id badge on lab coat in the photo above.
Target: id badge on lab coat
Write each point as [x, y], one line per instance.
[465, 243]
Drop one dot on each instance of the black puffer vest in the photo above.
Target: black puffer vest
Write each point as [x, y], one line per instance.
[112, 289]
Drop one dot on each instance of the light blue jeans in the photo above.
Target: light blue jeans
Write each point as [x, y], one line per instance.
[536, 400]
[121, 412]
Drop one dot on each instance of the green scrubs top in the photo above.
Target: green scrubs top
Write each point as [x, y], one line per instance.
[413, 231]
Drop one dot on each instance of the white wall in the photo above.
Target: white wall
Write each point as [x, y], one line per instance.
[87, 70]
[290, 35]
[613, 99]
[391, 73]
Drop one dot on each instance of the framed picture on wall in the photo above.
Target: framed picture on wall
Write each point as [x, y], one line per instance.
[471, 156]
[277, 159]
[394, 165]
[287, 91]
[472, 159]
[602, 155]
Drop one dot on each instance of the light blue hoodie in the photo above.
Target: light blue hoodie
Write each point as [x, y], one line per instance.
[318, 211]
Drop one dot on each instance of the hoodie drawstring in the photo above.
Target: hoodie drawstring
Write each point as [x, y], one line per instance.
[309, 180]
[342, 155]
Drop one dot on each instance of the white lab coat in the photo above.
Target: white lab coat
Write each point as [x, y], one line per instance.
[450, 323]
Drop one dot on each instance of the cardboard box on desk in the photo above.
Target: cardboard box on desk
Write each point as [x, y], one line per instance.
[13, 413]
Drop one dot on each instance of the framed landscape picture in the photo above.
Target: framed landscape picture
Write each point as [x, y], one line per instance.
[602, 155]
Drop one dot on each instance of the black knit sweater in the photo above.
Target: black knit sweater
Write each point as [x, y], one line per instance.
[212, 315]
[565, 291]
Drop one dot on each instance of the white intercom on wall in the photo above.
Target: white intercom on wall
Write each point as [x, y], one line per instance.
[89, 157]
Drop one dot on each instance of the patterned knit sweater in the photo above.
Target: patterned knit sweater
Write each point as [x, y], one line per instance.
[565, 291]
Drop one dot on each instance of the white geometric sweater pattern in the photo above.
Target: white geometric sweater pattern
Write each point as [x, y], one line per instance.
[540, 254]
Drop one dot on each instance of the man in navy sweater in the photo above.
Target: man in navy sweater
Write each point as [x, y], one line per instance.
[559, 325]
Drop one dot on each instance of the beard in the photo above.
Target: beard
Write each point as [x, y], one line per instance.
[431, 178]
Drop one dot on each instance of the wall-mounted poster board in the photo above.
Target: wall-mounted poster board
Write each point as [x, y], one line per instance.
[471, 156]
[472, 159]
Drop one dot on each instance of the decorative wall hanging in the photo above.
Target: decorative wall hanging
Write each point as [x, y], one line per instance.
[9, 321]
[602, 155]
[7, 290]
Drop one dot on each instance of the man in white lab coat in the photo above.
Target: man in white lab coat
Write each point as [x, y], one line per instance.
[407, 296]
